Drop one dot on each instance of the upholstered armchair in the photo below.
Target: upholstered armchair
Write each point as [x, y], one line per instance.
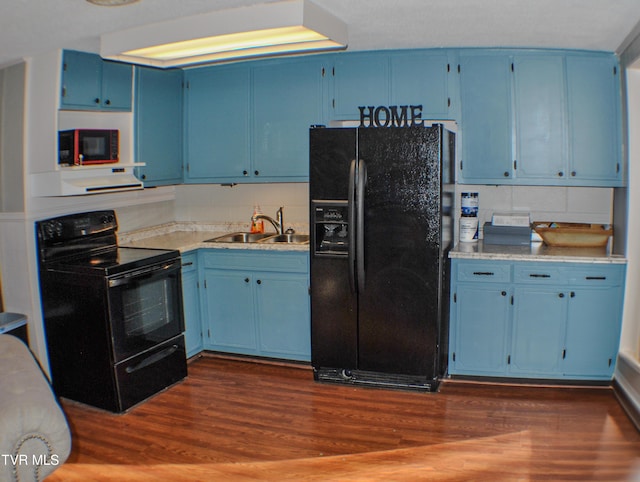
[34, 434]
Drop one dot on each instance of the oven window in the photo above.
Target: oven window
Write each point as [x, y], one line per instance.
[146, 309]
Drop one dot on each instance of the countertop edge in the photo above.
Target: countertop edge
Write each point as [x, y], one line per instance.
[189, 236]
[535, 252]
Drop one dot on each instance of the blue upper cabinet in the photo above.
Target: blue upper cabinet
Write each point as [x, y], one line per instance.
[158, 125]
[90, 83]
[250, 122]
[403, 78]
[359, 80]
[423, 78]
[486, 119]
[287, 100]
[593, 90]
[217, 123]
[540, 118]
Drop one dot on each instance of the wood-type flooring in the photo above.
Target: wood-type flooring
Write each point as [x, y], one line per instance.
[243, 421]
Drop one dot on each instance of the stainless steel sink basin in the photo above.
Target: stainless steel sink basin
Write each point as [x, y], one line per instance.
[286, 238]
[239, 238]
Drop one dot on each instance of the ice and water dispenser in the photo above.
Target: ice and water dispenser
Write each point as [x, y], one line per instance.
[331, 228]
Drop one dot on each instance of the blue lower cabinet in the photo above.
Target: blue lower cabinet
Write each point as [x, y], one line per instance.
[257, 303]
[535, 320]
[480, 330]
[191, 303]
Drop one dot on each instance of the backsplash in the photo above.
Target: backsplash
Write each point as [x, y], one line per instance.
[215, 203]
[566, 204]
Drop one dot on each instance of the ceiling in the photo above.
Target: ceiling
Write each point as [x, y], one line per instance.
[30, 27]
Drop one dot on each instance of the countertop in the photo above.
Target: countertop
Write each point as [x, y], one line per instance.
[536, 251]
[187, 236]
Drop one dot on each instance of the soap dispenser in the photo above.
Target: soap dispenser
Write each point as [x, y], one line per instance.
[257, 225]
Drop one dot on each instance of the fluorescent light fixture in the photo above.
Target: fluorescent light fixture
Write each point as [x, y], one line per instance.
[111, 3]
[271, 29]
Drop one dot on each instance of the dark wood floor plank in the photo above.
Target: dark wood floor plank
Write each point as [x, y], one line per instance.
[238, 420]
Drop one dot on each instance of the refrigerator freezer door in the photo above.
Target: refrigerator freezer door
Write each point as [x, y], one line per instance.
[399, 304]
[334, 341]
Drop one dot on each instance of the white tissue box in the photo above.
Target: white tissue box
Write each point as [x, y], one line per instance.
[510, 219]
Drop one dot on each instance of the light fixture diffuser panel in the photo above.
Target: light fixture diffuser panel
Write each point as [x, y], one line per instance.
[227, 35]
[111, 3]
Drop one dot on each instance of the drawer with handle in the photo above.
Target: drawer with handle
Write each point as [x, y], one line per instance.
[484, 271]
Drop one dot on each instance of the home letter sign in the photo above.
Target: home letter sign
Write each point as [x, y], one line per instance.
[392, 116]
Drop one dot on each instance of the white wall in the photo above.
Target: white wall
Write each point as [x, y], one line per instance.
[630, 337]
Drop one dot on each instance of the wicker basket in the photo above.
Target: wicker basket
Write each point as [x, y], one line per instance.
[573, 235]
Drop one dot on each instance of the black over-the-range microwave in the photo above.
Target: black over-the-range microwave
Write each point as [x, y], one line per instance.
[78, 147]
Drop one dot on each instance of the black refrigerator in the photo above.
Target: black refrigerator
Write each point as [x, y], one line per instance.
[381, 207]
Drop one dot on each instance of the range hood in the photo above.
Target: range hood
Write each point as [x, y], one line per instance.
[82, 180]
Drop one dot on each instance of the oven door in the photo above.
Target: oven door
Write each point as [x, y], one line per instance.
[145, 307]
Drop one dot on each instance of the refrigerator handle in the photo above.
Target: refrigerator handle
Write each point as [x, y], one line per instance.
[351, 225]
[361, 184]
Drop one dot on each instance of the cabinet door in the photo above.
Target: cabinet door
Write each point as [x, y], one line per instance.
[421, 79]
[158, 125]
[81, 80]
[538, 331]
[485, 90]
[287, 100]
[116, 86]
[481, 330]
[593, 332]
[359, 80]
[217, 123]
[191, 304]
[540, 118]
[282, 302]
[593, 87]
[230, 311]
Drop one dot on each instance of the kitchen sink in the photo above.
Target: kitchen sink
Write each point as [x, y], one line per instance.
[240, 238]
[286, 238]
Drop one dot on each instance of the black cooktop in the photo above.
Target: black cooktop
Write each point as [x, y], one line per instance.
[113, 261]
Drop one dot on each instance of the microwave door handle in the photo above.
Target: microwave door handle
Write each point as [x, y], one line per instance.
[351, 213]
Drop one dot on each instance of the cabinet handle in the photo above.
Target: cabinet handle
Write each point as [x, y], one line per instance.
[504, 293]
[595, 278]
[246, 280]
[574, 173]
[259, 281]
[96, 100]
[564, 354]
[573, 294]
[244, 173]
[189, 263]
[483, 273]
[536, 275]
[560, 295]
[144, 176]
[560, 174]
[506, 173]
[257, 173]
[107, 102]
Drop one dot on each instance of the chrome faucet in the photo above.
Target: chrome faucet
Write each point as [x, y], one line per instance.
[277, 223]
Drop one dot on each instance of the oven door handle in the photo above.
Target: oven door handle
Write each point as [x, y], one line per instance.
[156, 357]
[141, 274]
